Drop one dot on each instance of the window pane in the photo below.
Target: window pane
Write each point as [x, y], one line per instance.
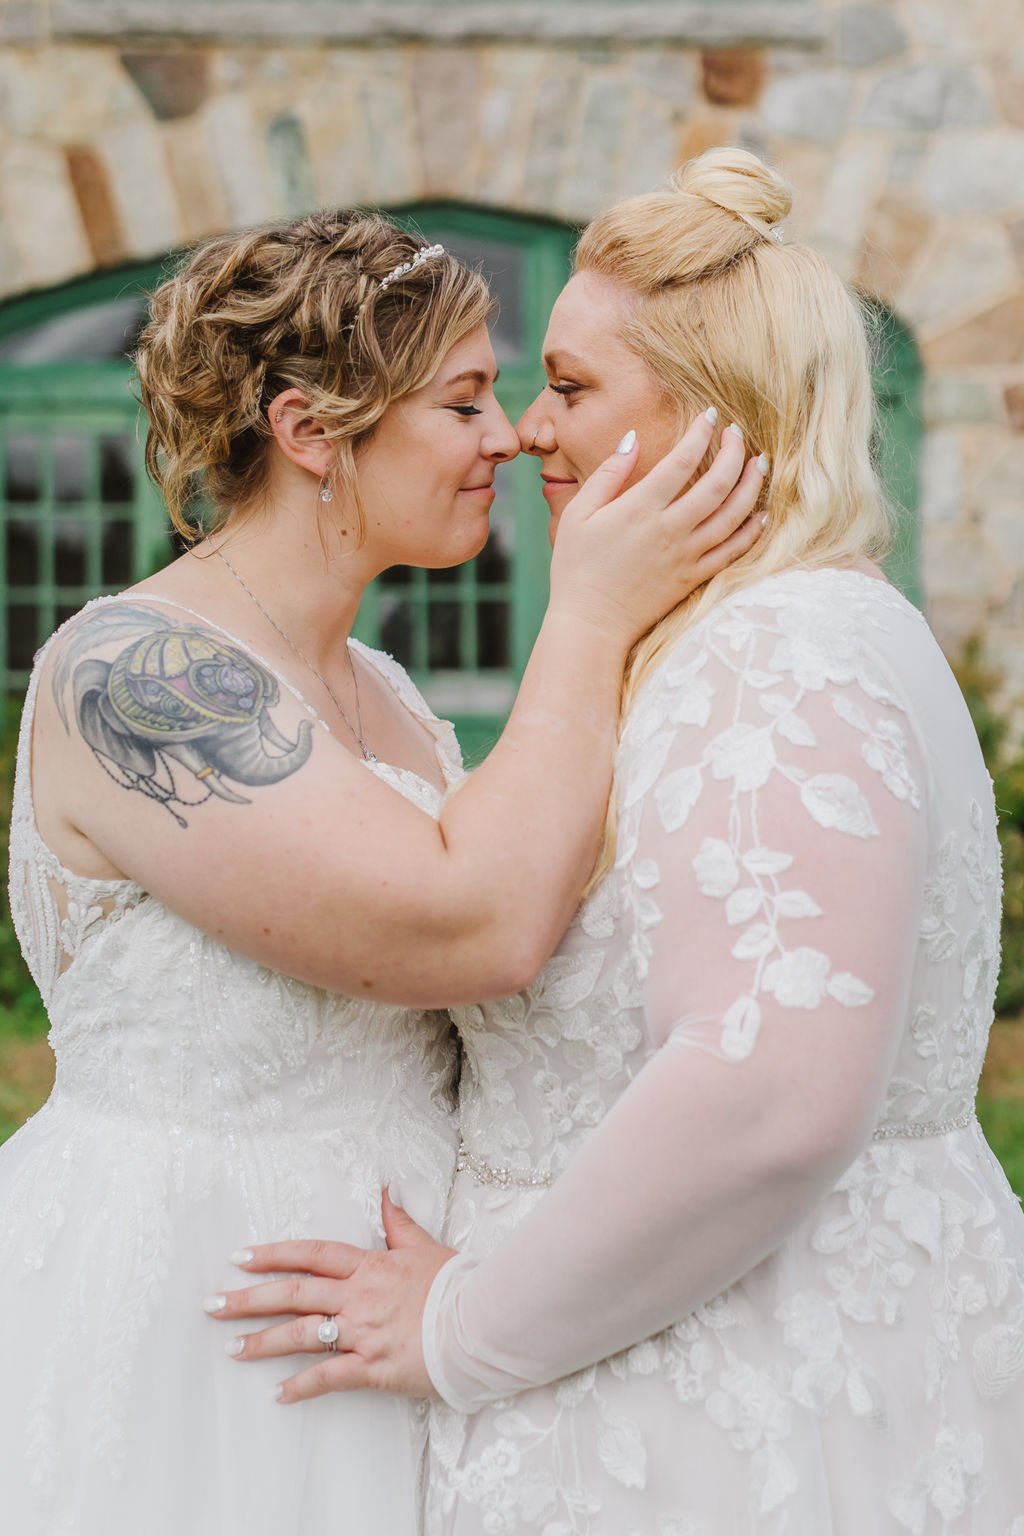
[22, 553]
[22, 636]
[444, 636]
[396, 630]
[117, 554]
[23, 479]
[117, 471]
[493, 636]
[70, 468]
[502, 265]
[69, 552]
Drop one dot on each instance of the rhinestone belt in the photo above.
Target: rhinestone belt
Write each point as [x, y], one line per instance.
[521, 1178]
[915, 1128]
[501, 1178]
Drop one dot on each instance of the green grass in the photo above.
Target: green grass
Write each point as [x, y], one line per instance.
[1002, 1120]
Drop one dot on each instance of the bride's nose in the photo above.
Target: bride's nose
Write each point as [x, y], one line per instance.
[536, 429]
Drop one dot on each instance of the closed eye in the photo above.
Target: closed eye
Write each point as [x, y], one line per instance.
[465, 410]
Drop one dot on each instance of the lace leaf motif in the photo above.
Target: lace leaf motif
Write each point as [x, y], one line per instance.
[746, 755]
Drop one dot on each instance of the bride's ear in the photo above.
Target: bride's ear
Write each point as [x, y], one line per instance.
[299, 434]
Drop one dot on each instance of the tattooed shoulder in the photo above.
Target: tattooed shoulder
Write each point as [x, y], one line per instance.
[172, 711]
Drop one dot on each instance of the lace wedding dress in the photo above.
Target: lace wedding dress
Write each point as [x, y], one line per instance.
[725, 1145]
[202, 1102]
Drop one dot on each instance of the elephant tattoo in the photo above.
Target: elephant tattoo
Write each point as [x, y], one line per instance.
[181, 705]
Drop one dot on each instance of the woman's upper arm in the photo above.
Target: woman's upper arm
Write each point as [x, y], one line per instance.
[184, 763]
[775, 862]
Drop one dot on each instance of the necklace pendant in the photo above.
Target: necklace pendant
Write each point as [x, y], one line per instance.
[369, 755]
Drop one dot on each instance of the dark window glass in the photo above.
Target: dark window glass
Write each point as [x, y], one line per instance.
[492, 628]
[117, 471]
[117, 554]
[23, 477]
[444, 652]
[70, 469]
[22, 553]
[22, 635]
[69, 559]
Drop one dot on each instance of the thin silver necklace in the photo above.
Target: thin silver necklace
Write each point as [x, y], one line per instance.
[369, 755]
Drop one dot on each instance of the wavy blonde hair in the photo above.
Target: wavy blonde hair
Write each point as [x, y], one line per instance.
[300, 305]
[725, 314]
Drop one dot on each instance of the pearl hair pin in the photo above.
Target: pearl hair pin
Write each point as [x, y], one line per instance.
[427, 253]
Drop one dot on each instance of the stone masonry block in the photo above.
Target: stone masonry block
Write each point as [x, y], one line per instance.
[554, 134]
[600, 147]
[927, 96]
[733, 77]
[142, 187]
[667, 74]
[236, 147]
[813, 106]
[197, 186]
[994, 337]
[173, 83]
[446, 92]
[40, 214]
[391, 133]
[896, 237]
[96, 204]
[976, 172]
[868, 34]
[970, 265]
[1013, 399]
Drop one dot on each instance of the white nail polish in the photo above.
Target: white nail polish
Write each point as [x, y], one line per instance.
[628, 443]
[242, 1256]
[735, 428]
[235, 1346]
[276, 1393]
[215, 1303]
[711, 415]
[764, 521]
[762, 463]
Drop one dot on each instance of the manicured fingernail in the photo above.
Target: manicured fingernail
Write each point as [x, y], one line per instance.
[762, 463]
[215, 1303]
[628, 443]
[764, 521]
[276, 1393]
[711, 415]
[235, 1346]
[242, 1256]
[735, 428]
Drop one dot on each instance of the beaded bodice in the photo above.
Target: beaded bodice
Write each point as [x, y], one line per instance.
[157, 1022]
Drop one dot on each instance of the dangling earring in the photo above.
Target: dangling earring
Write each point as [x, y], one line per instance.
[326, 494]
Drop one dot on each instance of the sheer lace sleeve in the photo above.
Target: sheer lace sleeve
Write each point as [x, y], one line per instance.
[772, 850]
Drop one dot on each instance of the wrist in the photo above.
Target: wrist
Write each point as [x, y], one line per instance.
[603, 638]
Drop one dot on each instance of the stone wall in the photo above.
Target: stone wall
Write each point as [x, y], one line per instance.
[901, 125]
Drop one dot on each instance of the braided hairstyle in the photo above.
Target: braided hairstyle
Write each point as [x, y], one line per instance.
[297, 305]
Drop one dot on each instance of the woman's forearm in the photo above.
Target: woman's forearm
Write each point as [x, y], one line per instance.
[522, 835]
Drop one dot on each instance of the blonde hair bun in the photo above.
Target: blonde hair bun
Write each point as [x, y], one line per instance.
[739, 183]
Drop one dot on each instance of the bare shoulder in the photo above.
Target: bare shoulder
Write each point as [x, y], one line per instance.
[168, 708]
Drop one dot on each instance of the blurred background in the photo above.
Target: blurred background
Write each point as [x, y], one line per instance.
[131, 128]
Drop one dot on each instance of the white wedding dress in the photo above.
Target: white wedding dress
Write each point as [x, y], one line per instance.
[748, 1077]
[201, 1103]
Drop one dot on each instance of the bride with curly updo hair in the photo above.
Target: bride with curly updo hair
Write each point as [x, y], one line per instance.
[247, 867]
